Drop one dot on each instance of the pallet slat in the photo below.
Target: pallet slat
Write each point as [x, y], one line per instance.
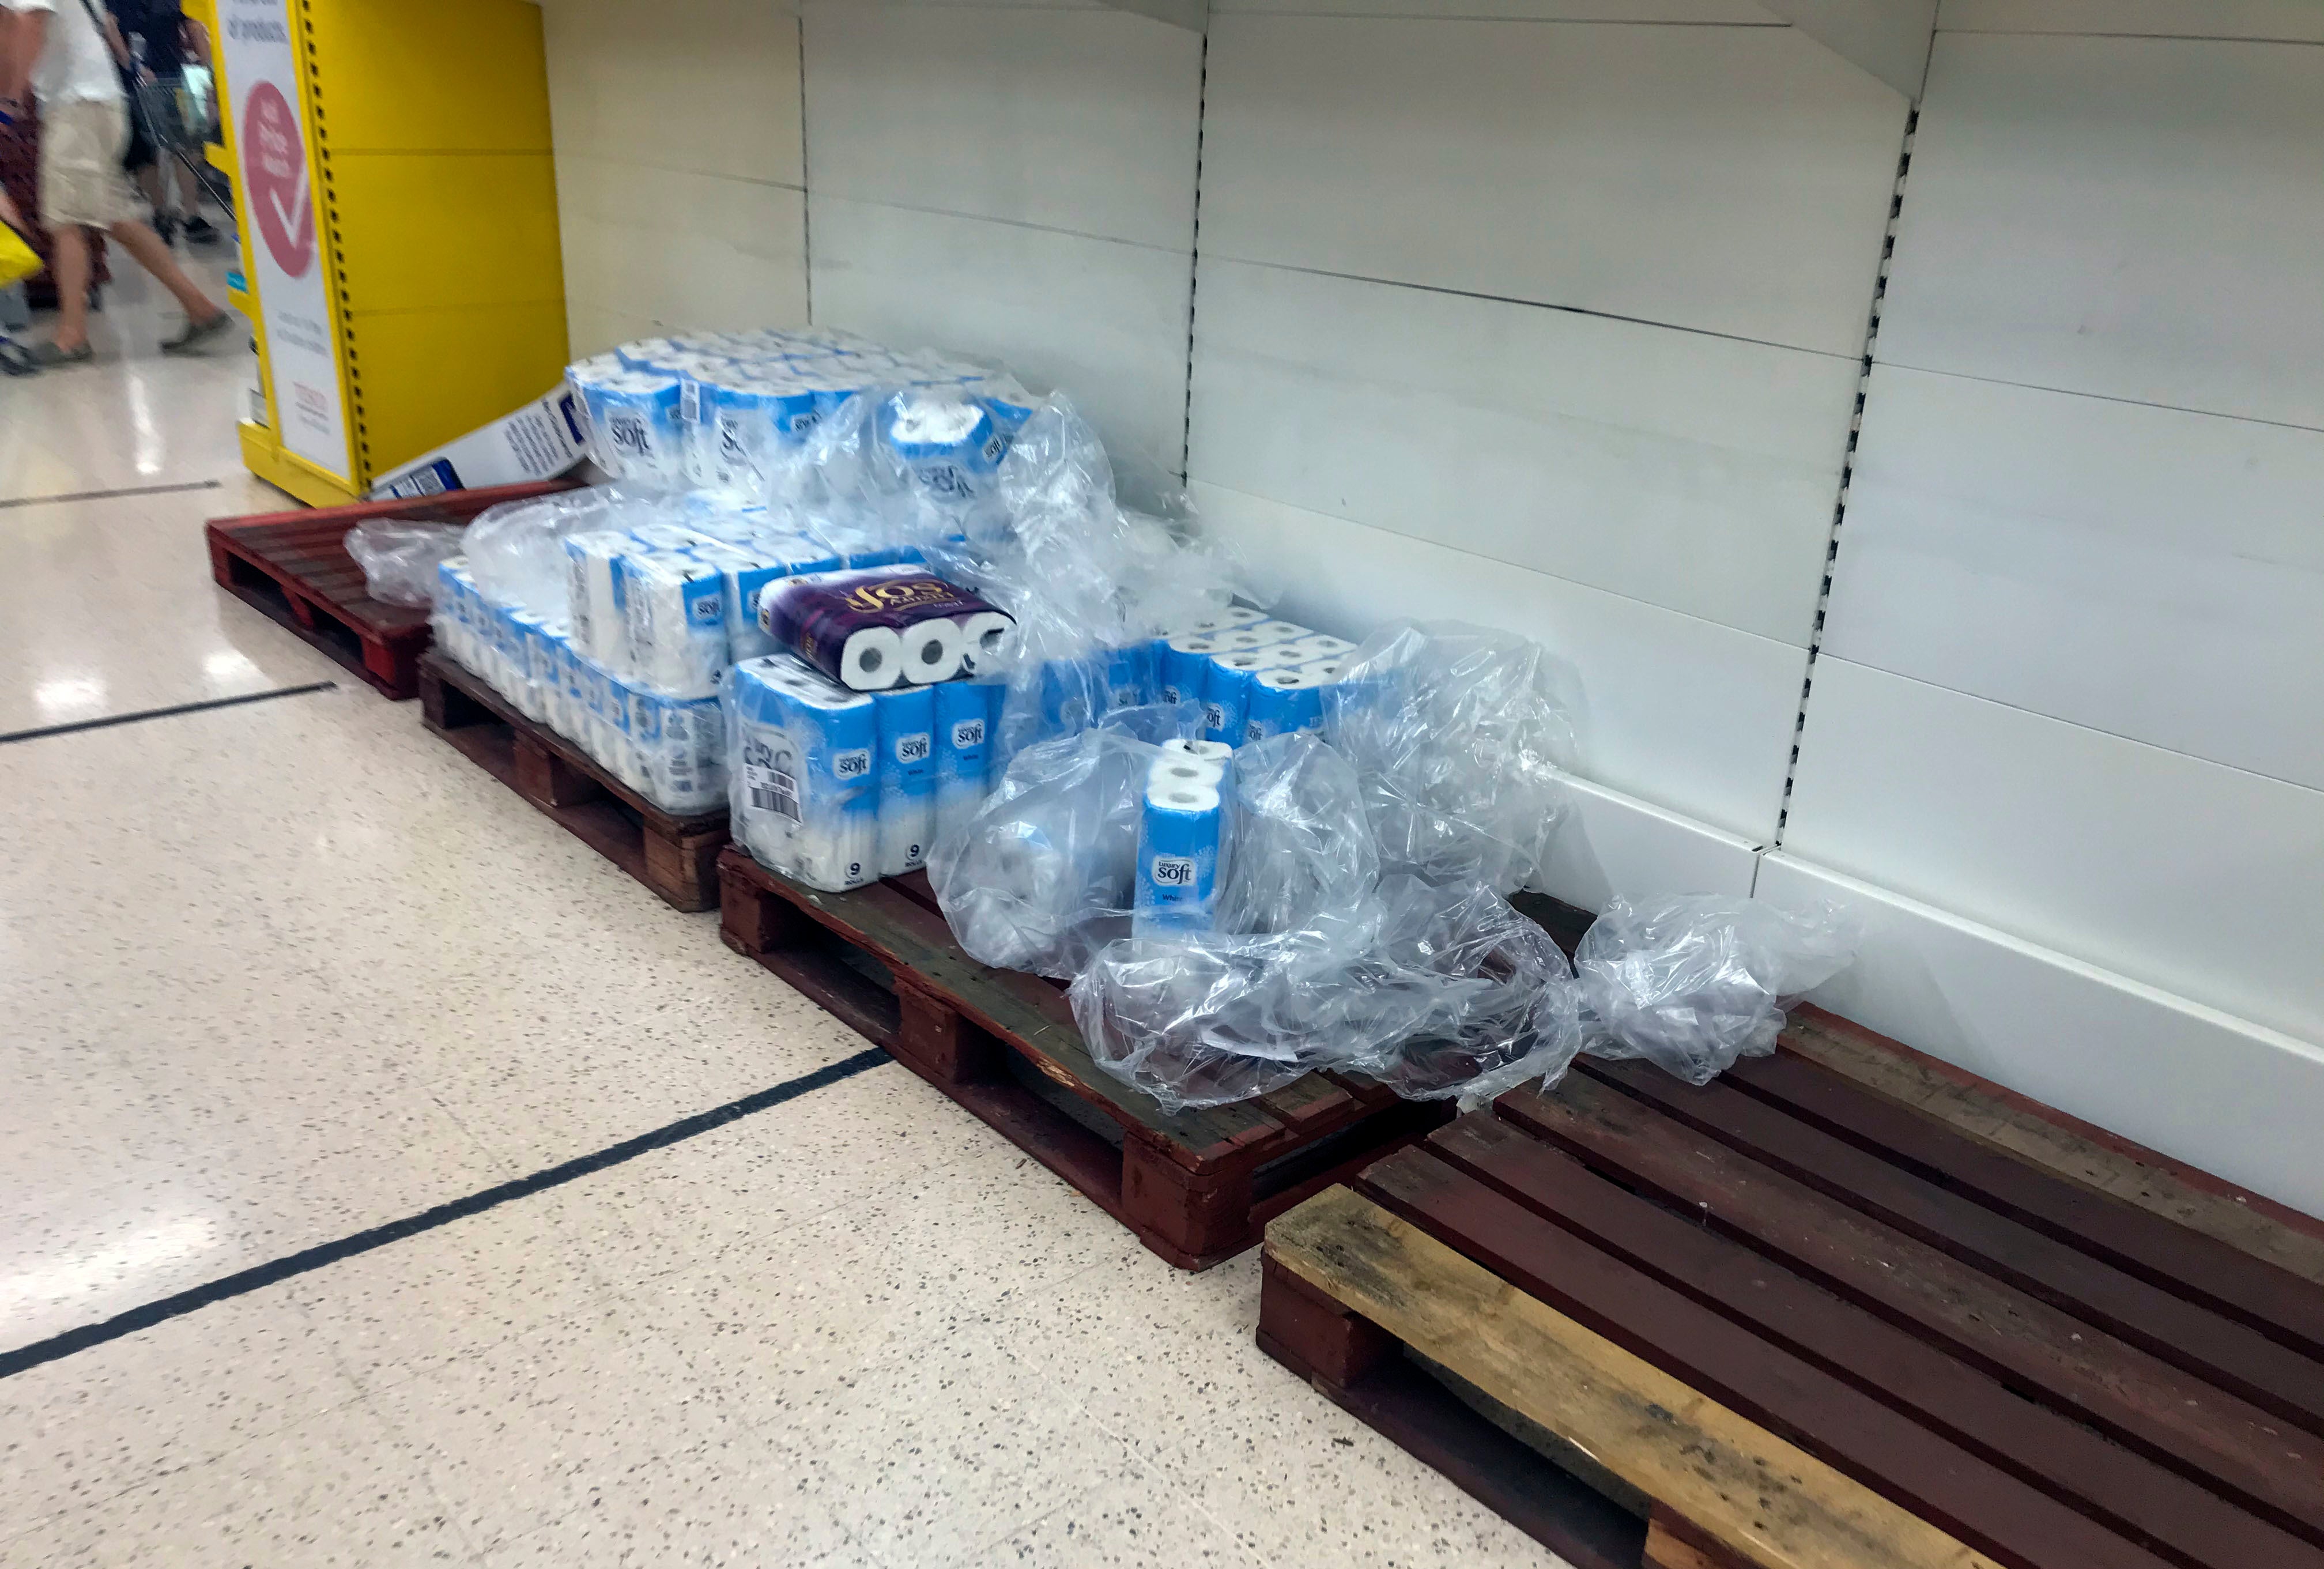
[2013, 1125]
[2144, 1501]
[2182, 1332]
[676, 857]
[2174, 1258]
[1196, 1186]
[2170, 1416]
[294, 569]
[1766, 1501]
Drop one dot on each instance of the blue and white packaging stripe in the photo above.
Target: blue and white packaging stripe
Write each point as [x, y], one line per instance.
[805, 779]
[1226, 689]
[906, 719]
[1282, 701]
[968, 718]
[1182, 850]
[675, 607]
[635, 430]
[1182, 665]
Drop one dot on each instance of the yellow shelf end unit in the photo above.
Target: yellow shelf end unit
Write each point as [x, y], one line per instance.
[396, 194]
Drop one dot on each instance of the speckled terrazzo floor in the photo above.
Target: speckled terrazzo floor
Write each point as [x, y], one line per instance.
[273, 974]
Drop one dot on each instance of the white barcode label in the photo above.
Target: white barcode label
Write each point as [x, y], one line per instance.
[770, 790]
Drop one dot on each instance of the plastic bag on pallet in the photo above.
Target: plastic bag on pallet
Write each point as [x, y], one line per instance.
[1438, 990]
[400, 558]
[1459, 734]
[1693, 982]
[1090, 582]
[1042, 876]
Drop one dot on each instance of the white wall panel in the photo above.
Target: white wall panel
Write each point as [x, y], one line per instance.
[593, 330]
[710, 86]
[2276, 19]
[2217, 1091]
[1103, 320]
[1613, 846]
[2201, 879]
[1689, 714]
[2145, 571]
[681, 249]
[1693, 472]
[1084, 121]
[2135, 219]
[679, 175]
[1734, 179]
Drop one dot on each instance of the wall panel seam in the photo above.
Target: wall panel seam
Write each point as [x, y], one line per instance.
[1491, 299]
[1846, 470]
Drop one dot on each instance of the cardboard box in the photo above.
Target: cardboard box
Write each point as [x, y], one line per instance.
[539, 441]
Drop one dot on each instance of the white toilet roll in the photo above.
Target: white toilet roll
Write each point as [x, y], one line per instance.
[1186, 773]
[932, 651]
[872, 660]
[985, 639]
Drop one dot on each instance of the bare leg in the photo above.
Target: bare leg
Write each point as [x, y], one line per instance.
[69, 262]
[189, 192]
[149, 181]
[141, 242]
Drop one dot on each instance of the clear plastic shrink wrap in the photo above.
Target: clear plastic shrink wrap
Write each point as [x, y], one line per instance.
[399, 559]
[1043, 873]
[1439, 989]
[1459, 735]
[1694, 982]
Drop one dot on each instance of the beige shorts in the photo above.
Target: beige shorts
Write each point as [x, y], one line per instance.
[81, 177]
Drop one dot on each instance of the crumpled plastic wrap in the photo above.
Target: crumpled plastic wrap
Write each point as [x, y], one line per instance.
[1441, 990]
[1459, 735]
[1042, 875]
[400, 558]
[1051, 543]
[1693, 982]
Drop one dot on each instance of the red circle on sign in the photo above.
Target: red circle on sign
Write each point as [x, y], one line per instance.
[274, 161]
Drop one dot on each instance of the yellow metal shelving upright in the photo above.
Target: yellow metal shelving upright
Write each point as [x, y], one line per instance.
[405, 174]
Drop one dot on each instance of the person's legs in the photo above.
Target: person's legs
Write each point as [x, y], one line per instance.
[69, 265]
[140, 241]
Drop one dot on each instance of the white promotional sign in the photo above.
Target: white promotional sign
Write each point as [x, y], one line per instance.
[278, 194]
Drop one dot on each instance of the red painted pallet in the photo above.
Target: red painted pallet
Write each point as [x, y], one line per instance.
[293, 568]
[1197, 1186]
[1838, 1307]
[677, 857]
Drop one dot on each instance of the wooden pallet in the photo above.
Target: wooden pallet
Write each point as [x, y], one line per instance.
[1791, 1320]
[293, 568]
[1196, 1187]
[677, 857]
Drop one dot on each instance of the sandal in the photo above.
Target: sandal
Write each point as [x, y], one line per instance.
[48, 355]
[195, 334]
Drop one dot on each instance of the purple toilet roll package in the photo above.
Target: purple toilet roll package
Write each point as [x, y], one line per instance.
[884, 626]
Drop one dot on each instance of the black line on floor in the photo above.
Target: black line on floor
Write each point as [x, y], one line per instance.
[144, 713]
[106, 496]
[41, 1352]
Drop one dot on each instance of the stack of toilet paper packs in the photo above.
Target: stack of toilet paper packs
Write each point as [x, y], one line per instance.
[721, 412]
[871, 732]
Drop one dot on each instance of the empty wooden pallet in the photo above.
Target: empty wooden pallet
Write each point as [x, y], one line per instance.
[293, 568]
[1795, 1319]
